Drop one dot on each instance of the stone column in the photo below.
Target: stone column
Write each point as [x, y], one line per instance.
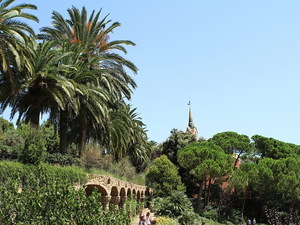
[105, 199]
[129, 198]
[115, 200]
[123, 202]
[142, 202]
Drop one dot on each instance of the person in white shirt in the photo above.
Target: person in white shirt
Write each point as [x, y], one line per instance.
[148, 218]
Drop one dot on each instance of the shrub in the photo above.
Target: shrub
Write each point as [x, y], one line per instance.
[56, 203]
[48, 197]
[124, 168]
[63, 160]
[34, 149]
[163, 177]
[210, 213]
[91, 158]
[31, 176]
[176, 206]
[162, 220]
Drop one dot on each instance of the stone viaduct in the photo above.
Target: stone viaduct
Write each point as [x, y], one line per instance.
[114, 191]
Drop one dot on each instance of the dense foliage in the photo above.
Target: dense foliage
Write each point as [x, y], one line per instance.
[44, 195]
[235, 179]
[206, 162]
[176, 206]
[77, 76]
[163, 177]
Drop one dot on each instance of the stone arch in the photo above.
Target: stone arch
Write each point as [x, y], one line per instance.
[129, 193]
[114, 191]
[147, 191]
[123, 198]
[90, 188]
[115, 198]
[122, 191]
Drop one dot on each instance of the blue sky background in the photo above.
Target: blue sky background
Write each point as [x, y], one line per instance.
[236, 61]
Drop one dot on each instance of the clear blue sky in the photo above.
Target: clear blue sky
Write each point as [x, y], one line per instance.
[238, 62]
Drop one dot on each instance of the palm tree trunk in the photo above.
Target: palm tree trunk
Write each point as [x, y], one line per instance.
[63, 128]
[35, 119]
[82, 132]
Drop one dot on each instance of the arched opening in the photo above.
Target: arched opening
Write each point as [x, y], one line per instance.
[90, 188]
[123, 198]
[115, 198]
[129, 193]
[138, 195]
[147, 192]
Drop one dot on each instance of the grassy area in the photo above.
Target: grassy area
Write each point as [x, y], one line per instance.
[136, 179]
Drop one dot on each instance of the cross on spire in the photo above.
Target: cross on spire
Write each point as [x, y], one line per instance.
[191, 127]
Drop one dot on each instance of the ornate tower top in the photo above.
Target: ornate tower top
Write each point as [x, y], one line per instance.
[191, 128]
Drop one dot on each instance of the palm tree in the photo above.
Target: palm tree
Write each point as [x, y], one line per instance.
[91, 37]
[93, 105]
[14, 35]
[46, 89]
[127, 135]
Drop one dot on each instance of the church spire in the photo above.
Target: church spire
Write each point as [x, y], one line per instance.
[191, 128]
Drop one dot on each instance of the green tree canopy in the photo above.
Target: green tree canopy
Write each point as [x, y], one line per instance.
[232, 143]
[278, 180]
[205, 161]
[14, 34]
[177, 140]
[101, 76]
[272, 148]
[163, 177]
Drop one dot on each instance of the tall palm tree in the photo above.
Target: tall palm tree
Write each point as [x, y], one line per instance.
[47, 89]
[127, 135]
[14, 35]
[93, 104]
[91, 36]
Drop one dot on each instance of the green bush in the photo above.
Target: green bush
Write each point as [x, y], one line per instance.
[11, 142]
[123, 168]
[163, 177]
[55, 203]
[176, 206]
[44, 194]
[162, 220]
[32, 176]
[60, 159]
[34, 149]
[210, 213]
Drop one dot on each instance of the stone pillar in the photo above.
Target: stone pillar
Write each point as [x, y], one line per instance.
[128, 209]
[123, 199]
[115, 200]
[142, 202]
[105, 199]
